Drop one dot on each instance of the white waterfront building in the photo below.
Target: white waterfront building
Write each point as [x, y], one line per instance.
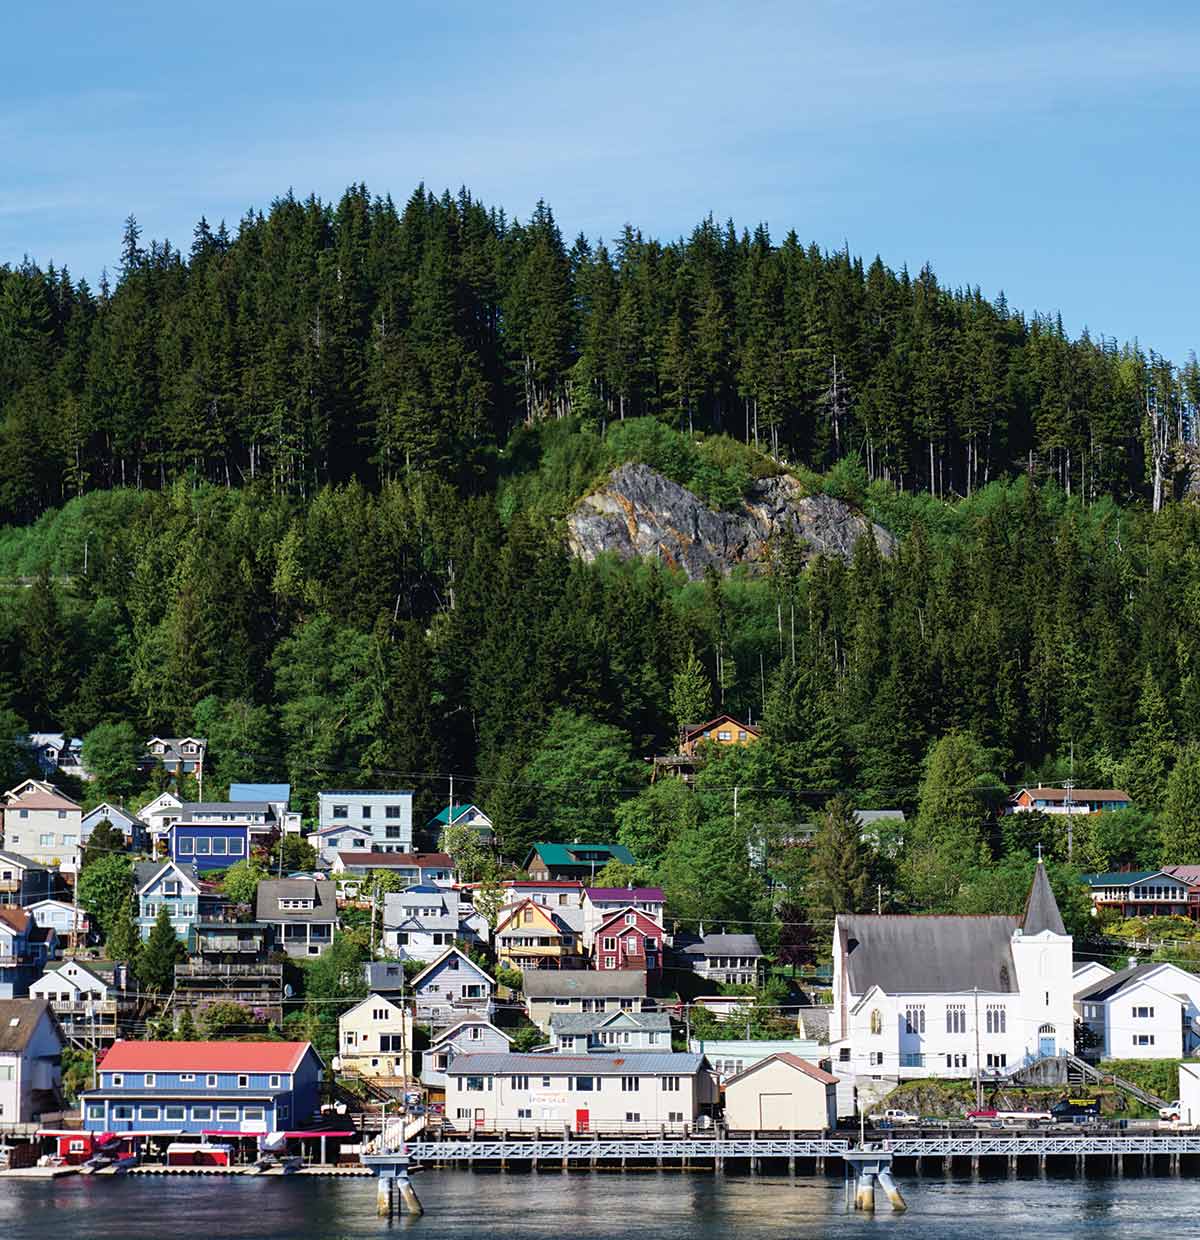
[947, 996]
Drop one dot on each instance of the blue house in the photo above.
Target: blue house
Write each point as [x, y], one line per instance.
[24, 949]
[190, 1088]
[209, 845]
[176, 886]
[22, 880]
[130, 825]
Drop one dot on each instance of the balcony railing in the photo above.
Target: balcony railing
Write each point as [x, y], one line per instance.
[207, 970]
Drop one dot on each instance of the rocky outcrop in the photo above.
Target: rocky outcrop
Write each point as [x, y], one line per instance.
[639, 512]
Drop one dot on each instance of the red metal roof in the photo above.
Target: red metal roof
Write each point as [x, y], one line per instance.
[124, 1056]
[384, 860]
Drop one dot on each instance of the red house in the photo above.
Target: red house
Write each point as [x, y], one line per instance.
[630, 939]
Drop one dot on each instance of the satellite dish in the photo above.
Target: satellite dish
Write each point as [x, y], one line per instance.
[336, 1063]
[287, 991]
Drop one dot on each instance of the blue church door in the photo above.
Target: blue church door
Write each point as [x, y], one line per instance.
[1047, 1047]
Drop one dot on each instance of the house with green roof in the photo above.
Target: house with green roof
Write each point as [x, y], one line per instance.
[1143, 893]
[550, 861]
[462, 816]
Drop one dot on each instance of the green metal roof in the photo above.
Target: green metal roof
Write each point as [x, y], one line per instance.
[582, 854]
[1120, 878]
[443, 815]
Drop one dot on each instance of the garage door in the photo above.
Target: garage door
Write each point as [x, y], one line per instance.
[775, 1110]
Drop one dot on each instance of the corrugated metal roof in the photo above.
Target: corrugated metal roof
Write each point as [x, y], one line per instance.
[722, 945]
[584, 983]
[1122, 878]
[611, 895]
[583, 854]
[128, 1056]
[1106, 987]
[928, 954]
[631, 1063]
[591, 1022]
[792, 1061]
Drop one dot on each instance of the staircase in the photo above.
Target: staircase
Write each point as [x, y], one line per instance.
[1071, 1070]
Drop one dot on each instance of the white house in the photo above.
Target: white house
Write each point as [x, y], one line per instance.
[44, 825]
[375, 1038]
[781, 1093]
[59, 916]
[82, 1001]
[453, 987]
[731, 1056]
[471, 1036]
[385, 816]
[601, 1093]
[1189, 1093]
[420, 922]
[945, 996]
[30, 1061]
[1147, 1011]
[160, 815]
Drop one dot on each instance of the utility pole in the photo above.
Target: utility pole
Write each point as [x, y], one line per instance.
[978, 1078]
[1069, 804]
[879, 899]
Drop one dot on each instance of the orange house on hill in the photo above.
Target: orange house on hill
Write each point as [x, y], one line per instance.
[723, 730]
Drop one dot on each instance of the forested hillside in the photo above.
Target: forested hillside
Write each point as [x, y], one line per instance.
[318, 343]
[302, 492]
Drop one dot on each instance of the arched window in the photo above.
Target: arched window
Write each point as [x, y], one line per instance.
[1046, 1030]
[876, 1021]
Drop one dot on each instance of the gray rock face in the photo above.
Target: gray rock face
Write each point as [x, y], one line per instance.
[639, 512]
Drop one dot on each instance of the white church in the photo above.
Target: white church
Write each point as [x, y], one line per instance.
[947, 996]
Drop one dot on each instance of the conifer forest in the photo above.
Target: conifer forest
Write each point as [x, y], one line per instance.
[299, 486]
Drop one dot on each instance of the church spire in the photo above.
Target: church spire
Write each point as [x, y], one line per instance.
[1041, 908]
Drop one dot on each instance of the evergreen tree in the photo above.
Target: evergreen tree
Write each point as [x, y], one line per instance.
[159, 955]
[691, 693]
[1152, 747]
[104, 841]
[123, 942]
[1179, 822]
[838, 872]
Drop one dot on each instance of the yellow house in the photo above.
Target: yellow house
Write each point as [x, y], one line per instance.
[375, 1039]
[531, 936]
[723, 730]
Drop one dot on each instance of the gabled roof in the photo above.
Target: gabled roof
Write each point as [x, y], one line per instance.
[15, 919]
[692, 730]
[373, 997]
[584, 983]
[62, 965]
[448, 1036]
[128, 1056]
[1041, 908]
[146, 872]
[792, 1061]
[22, 863]
[19, 1019]
[903, 954]
[579, 854]
[1077, 794]
[449, 815]
[224, 807]
[1107, 987]
[590, 1022]
[114, 813]
[719, 945]
[618, 914]
[450, 951]
[39, 798]
[545, 912]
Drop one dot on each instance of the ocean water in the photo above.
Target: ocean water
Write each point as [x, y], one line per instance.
[592, 1206]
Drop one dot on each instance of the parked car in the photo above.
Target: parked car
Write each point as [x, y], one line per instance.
[1173, 1110]
[893, 1115]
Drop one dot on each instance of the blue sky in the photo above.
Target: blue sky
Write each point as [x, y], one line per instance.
[1047, 149]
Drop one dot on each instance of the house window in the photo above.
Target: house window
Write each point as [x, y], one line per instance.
[520, 1082]
[674, 1117]
[1143, 1013]
[630, 1084]
[631, 919]
[610, 962]
[220, 846]
[956, 1018]
[670, 1084]
[875, 1059]
[252, 1113]
[633, 1117]
[610, 944]
[118, 1080]
[184, 846]
[202, 845]
[227, 1114]
[524, 1113]
[876, 1021]
[275, 1080]
[201, 1112]
[176, 1113]
[23, 813]
[237, 847]
[474, 1033]
[95, 1112]
[243, 1082]
[585, 1084]
[391, 811]
[149, 1080]
[46, 841]
[122, 1112]
[956, 1061]
[724, 736]
[211, 1080]
[463, 1113]
[997, 1020]
[186, 1078]
[149, 1112]
[171, 888]
[997, 1061]
[1143, 1039]
[474, 1085]
[394, 833]
[914, 1020]
[341, 811]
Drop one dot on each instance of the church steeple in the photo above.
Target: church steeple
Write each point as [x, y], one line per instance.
[1041, 908]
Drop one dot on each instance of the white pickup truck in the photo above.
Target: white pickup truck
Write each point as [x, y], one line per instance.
[893, 1115]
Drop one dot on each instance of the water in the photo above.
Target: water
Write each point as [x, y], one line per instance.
[583, 1206]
